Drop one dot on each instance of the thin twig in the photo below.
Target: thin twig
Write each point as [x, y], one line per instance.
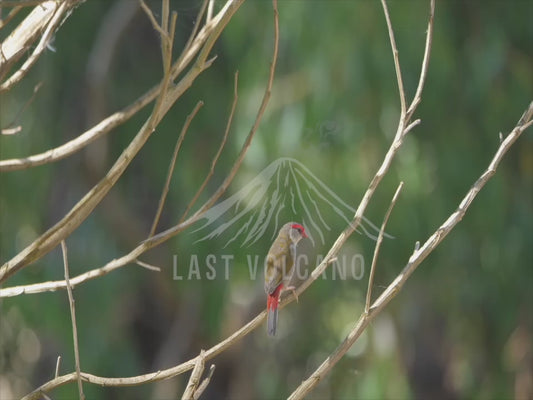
[217, 155]
[527, 125]
[172, 164]
[163, 103]
[36, 89]
[197, 23]
[210, 9]
[165, 15]
[148, 266]
[22, 3]
[170, 44]
[396, 59]
[58, 362]
[11, 131]
[153, 21]
[377, 247]
[161, 237]
[153, 376]
[376, 180]
[198, 392]
[194, 379]
[425, 61]
[266, 97]
[411, 126]
[74, 325]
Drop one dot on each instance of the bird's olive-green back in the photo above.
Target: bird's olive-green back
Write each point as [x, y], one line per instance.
[279, 261]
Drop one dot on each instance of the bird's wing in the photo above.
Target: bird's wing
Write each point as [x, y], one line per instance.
[273, 273]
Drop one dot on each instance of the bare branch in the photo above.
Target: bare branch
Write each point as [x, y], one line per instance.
[414, 261]
[198, 392]
[58, 362]
[11, 131]
[172, 164]
[411, 126]
[197, 23]
[153, 21]
[78, 143]
[154, 376]
[527, 125]
[385, 165]
[164, 236]
[22, 3]
[192, 391]
[418, 256]
[210, 9]
[86, 205]
[165, 14]
[74, 325]
[396, 59]
[361, 324]
[219, 152]
[105, 126]
[25, 34]
[377, 247]
[425, 62]
[54, 23]
[148, 266]
[195, 377]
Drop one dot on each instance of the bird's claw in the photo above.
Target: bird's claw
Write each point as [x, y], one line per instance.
[293, 290]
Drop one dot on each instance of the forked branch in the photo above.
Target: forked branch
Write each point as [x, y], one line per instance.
[74, 324]
[172, 164]
[418, 256]
[50, 239]
[415, 260]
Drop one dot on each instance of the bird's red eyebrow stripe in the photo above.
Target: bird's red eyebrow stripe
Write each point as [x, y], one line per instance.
[298, 226]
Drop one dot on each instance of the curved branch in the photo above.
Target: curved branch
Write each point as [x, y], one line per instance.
[219, 151]
[395, 56]
[58, 16]
[117, 118]
[425, 61]
[415, 260]
[154, 241]
[74, 325]
[23, 36]
[172, 164]
[154, 376]
[51, 238]
[377, 248]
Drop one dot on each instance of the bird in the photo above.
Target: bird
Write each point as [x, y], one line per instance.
[279, 267]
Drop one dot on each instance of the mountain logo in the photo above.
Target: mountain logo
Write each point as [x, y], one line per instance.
[286, 190]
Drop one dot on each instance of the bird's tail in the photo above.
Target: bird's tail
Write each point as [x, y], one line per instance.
[272, 310]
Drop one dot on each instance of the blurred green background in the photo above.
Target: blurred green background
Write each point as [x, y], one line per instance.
[462, 325]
